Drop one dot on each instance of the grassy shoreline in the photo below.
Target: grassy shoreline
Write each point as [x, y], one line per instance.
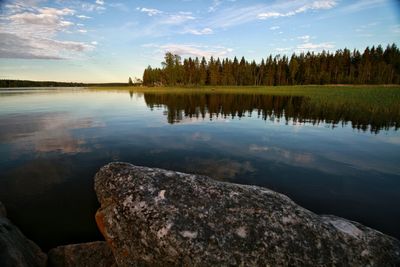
[373, 94]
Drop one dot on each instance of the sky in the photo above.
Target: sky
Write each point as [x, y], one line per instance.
[109, 41]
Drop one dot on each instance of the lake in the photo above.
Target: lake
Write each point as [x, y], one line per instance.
[53, 141]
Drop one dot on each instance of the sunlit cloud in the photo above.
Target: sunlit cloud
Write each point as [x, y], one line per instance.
[30, 32]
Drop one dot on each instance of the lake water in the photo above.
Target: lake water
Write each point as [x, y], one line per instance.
[52, 142]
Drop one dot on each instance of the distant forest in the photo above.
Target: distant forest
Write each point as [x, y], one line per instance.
[27, 83]
[374, 66]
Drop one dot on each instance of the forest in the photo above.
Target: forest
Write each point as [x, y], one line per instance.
[374, 65]
[5, 83]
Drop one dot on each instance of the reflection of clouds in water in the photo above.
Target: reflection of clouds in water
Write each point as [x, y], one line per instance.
[395, 140]
[45, 132]
[280, 154]
[220, 169]
[330, 162]
[363, 163]
[200, 136]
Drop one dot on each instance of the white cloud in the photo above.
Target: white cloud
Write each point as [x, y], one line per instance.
[150, 11]
[283, 49]
[273, 28]
[83, 17]
[47, 16]
[100, 2]
[82, 31]
[14, 46]
[304, 38]
[236, 15]
[177, 19]
[268, 15]
[214, 5]
[200, 32]
[315, 5]
[94, 43]
[92, 7]
[56, 12]
[192, 50]
[315, 47]
[31, 33]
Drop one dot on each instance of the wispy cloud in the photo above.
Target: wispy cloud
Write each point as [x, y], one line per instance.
[199, 32]
[363, 4]
[178, 18]
[315, 5]
[315, 47]
[236, 15]
[193, 50]
[83, 17]
[304, 38]
[149, 11]
[214, 5]
[89, 7]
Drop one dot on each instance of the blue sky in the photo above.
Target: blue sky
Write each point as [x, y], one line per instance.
[108, 41]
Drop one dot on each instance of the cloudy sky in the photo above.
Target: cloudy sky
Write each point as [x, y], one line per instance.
[108, 41]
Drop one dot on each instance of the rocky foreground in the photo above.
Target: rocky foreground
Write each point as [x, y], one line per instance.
[153, 217]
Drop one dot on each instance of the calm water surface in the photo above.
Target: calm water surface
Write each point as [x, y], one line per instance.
[52, 142]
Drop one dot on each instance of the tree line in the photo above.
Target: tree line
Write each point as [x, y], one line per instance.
[374, 66]
[5, 83]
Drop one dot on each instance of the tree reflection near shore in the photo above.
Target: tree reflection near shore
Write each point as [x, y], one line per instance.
[288, 109]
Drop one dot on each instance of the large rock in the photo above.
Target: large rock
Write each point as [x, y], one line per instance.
[157, 217]
[93, 254]
[15, 248]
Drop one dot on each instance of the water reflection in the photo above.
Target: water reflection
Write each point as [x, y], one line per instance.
[45, 132]
[53, 142]
[291, 109]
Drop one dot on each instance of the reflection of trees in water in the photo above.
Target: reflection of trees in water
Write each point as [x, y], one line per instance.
[298, 109]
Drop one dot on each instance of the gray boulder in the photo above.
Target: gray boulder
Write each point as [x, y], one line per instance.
[93, 254]
[154, 217]
[15, 249]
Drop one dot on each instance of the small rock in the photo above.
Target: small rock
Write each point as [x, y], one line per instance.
[93, 254]
[154, 217]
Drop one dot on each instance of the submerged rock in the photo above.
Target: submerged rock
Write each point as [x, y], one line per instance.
[93, 254]
[15, 248]
[158, 217]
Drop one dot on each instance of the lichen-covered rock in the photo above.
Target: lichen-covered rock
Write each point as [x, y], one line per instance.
[157, 217]
[93, 254]
[15, 248]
